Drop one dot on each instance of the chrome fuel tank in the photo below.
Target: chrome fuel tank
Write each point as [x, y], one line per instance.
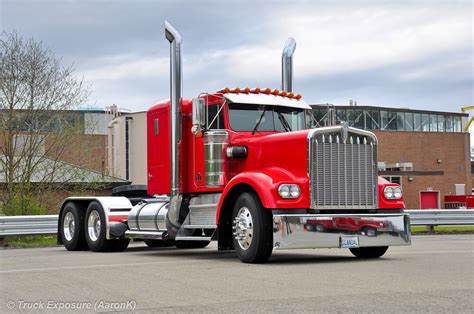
[149, 215]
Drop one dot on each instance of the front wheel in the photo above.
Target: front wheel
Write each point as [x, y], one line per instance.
[253, 229]
[369, 252]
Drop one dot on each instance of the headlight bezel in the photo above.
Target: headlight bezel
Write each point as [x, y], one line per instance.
[289, 191]
[393, 192]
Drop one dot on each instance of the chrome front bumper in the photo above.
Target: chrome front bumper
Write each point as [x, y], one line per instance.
[325, 231]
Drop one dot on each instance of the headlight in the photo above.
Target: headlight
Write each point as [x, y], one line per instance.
[393, 192]
[289, 191]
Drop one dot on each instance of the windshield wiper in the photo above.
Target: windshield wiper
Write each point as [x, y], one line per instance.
[259, 120]
[284, 122]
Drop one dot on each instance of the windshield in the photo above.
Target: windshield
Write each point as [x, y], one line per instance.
[254, 118]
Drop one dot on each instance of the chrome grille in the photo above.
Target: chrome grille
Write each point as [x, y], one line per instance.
[342, 168]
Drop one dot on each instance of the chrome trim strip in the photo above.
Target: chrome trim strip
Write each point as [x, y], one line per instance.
[325, 231]
[154, 235]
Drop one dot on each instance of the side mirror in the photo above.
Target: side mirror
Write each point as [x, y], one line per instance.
[199, 117]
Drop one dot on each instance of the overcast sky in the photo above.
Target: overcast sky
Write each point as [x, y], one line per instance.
[416, 54]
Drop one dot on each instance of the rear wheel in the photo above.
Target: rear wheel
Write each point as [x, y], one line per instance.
[95, 232]
[72, 228]
[253, 229]
[369, 252]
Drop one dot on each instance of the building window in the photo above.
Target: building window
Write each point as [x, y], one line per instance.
[449, 124]
[389, 120]
[394, 179]
[409, 121]
[359, 119]
[341, 115]
[441, 123]
[400, 121]
[433, 123]
[425, 122]
[417, 122]
[457, 124]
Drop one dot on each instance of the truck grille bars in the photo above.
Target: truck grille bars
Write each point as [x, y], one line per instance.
[342, 167]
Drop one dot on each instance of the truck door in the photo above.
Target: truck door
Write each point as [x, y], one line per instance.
[158, 153]
[214, 121]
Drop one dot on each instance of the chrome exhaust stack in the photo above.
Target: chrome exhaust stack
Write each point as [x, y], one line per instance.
[176, 71]
[287, 65]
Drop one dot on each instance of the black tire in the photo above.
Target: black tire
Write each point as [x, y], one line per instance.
[157, 243]
[78, 241]
[100, 242]
[369, 252]
[261, 246]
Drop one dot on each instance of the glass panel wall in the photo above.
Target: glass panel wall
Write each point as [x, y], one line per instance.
[441, 123]
[389, 120]
[400, 121]
[449, 124]
[457, 124]
[425, 122]
[433, 123]
[417, 122]
[409, 121]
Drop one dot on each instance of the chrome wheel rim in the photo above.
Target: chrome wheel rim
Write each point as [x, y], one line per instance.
[93, 225]
[243, 228]
[69, 226]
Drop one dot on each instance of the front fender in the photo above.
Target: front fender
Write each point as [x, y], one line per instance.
[265, 183]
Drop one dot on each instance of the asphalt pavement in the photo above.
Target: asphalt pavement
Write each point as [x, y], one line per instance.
[434, 274]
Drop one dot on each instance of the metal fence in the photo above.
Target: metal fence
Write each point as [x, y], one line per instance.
[28, 225]
[48, 224]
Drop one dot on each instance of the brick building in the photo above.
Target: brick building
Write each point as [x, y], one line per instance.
[426, 152]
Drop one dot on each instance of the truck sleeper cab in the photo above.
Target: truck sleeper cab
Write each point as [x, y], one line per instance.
[240, 166]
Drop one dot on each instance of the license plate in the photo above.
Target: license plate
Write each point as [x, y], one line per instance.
[349, 242]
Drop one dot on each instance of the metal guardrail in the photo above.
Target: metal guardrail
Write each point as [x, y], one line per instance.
[441, 217]
[28, 225]
[48, 224]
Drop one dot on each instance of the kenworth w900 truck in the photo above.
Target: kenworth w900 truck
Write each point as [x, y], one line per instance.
[241, 166]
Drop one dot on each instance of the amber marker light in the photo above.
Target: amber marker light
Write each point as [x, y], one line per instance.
[291, 95]
[283, 94]
[276, 92]
[298, 97]
[237, 90]
[268, 91]
[247, 90]
[257, 90]
[227, 90]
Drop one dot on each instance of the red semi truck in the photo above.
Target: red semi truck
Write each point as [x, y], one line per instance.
[242, 167]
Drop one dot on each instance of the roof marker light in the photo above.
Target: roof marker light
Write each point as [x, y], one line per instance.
[246, 90]
[268, 91]
[237, 90]
[276, 92]
[227, 90]
[298, 97]
[291, 95]
[257, 90]
[283, 94]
